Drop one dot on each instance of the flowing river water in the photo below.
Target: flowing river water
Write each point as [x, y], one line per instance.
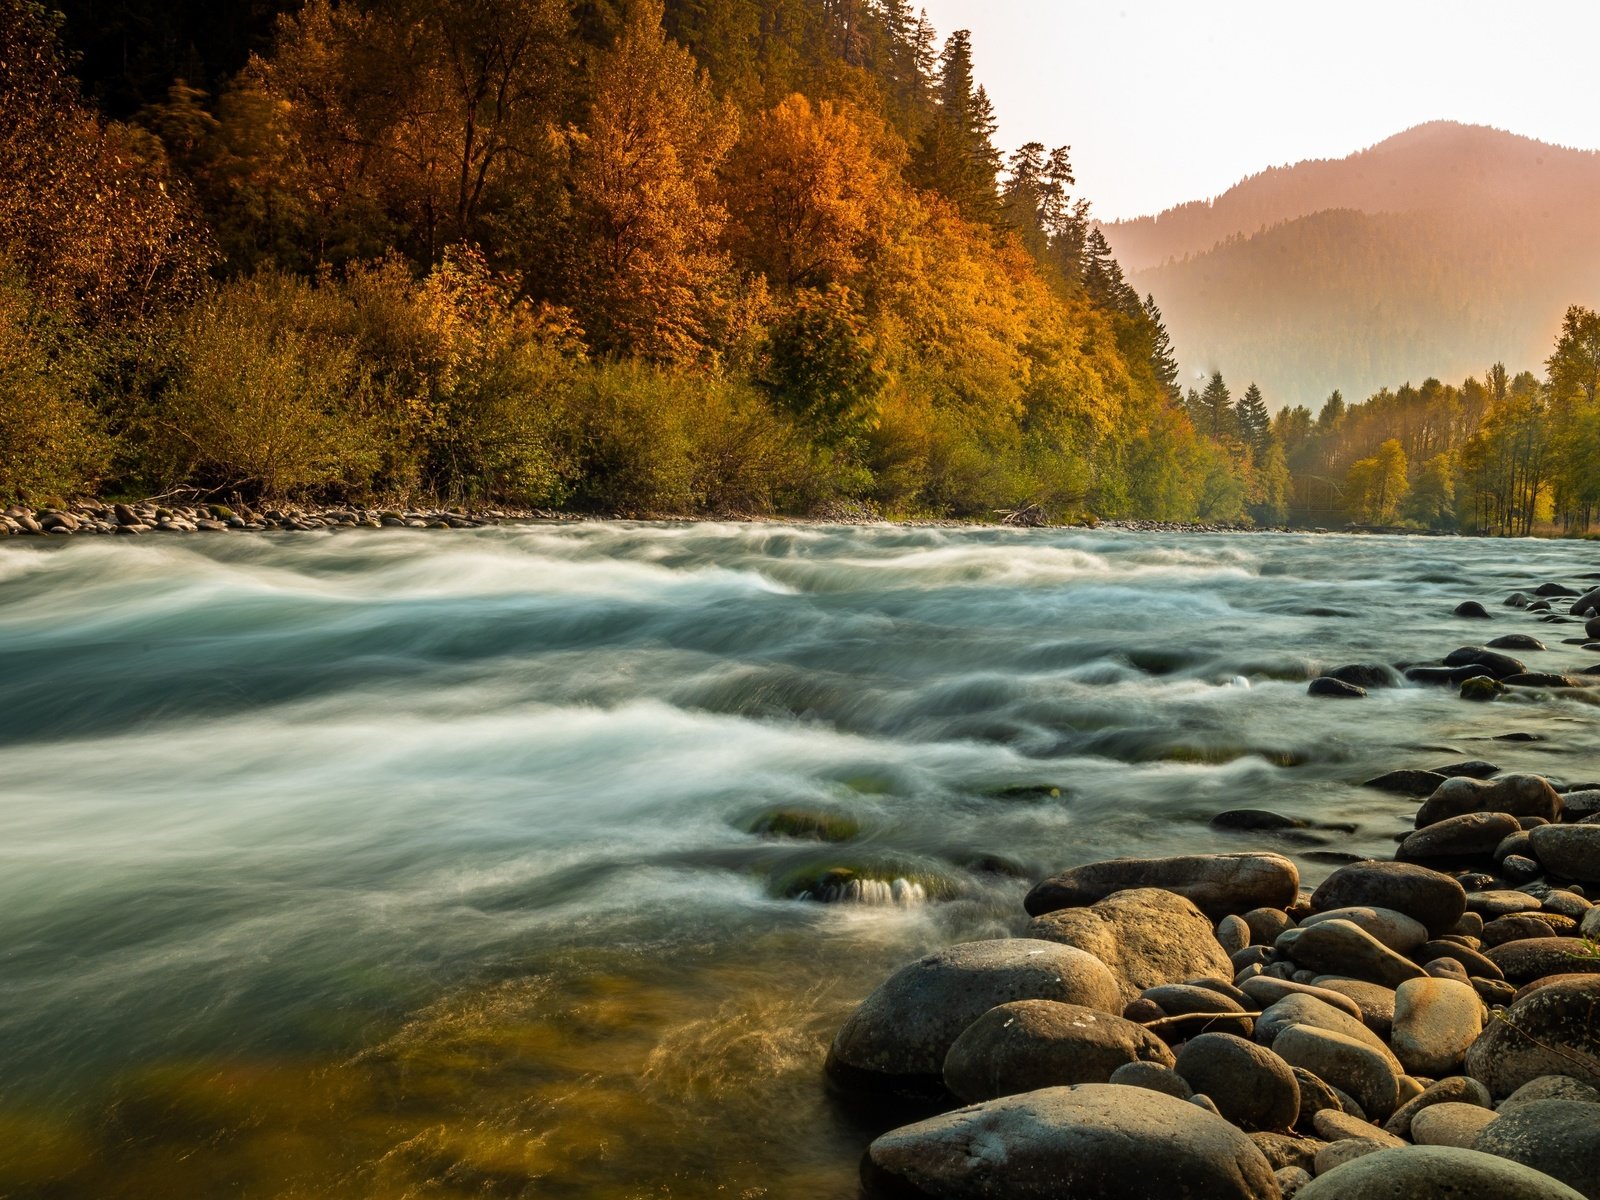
[406, 864]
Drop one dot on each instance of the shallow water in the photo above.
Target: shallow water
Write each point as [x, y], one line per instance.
[419, 864]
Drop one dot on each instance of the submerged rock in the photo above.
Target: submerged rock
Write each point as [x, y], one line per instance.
[1217, 884]
[1407, 782]
[1497, 664]
[1093, 1142]
[1335, 688]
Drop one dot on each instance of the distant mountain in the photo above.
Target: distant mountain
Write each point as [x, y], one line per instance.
[1436, 252]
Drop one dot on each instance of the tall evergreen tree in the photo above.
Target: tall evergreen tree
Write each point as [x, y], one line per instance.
[1254, 421]
[955, 155]
[1103, 278]
[1162, 359]
[1216, 409]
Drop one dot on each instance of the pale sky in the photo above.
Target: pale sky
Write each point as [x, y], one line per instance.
[1164, 101]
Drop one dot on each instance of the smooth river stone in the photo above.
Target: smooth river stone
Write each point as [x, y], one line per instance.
[1031, 1044]
[1394, 929]
[1451, 1124]
[898, 1037]
[1501, 903]
[1456, 1089]
[1551, 1087]
[1471, 835]
[1250, 1085]
[1425, 895]
[1146, 936]
[1217, 884]
[1533, 958]
[1435, 1020]
[1374, 1002]
[1311, 1012]
[1519, 795]
[1569, 851]
[1559, 1137]
[1267, 991]
[1339, 947]
[1094, 1142]
[1419, 1172]
[1550, 1031]
[1348, 1064]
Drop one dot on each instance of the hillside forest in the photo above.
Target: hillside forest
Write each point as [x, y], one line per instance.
[729, 257]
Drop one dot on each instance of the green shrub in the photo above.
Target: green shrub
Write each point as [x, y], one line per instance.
[51, 443]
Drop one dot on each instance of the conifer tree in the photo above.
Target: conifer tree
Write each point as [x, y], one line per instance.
[956, 156]
[1254, 422]
[1216, 410]
[1162, 359]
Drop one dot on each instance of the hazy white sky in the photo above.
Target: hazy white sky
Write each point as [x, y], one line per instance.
[1164, 101]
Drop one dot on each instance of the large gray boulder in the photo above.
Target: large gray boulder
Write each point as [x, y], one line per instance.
[1559, 1137]
[1427, 896]
[1147, 936]
[1093, 1142]
[1553, 1030]
[1218, 884]
[898, 1037]
[1030, 1044]
[1519, 795]
[1442, 1172]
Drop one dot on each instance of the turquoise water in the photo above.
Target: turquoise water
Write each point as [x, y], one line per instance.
[419, 863]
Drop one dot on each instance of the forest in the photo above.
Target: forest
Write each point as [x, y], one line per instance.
[730, 257]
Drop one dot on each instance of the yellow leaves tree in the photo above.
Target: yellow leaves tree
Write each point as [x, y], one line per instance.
[643, 176]
[1375, 487]
[808, 189]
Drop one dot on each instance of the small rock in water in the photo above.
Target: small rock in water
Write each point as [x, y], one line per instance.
[1407, 782]
[1336, 688]
[1473, 610]
[1365, 675]
[1497, 664]
[1519, 795]
[1516, 641]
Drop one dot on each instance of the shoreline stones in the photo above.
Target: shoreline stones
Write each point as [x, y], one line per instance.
[147, 517]
[1094, 1142]
[1426, 1025]
[1217, 884]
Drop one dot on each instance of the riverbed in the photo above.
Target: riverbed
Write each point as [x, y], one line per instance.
[432, 863]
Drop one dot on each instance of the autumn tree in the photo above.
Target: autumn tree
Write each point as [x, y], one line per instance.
[808, 187]
[1213, 409]
[89, 212]
[1376, 486]
[644, 170]
[821, 365]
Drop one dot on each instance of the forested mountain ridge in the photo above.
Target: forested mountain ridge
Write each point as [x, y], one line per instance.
[1428, 254]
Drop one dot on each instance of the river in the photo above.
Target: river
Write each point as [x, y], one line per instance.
[421, 864]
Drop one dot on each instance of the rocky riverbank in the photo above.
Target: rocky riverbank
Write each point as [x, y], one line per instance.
[156, 517]
[1206, 1026]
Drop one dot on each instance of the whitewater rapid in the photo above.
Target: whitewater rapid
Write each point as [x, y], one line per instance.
[284, 800]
